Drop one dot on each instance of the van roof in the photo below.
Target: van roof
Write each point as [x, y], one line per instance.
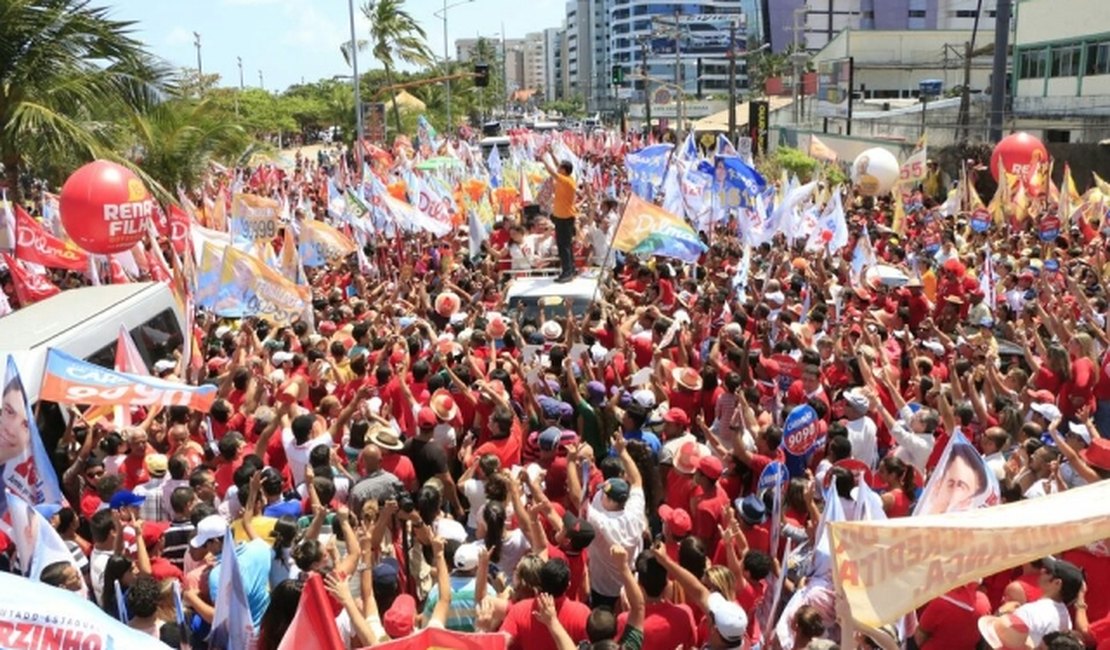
[582, 286]
[41, 322]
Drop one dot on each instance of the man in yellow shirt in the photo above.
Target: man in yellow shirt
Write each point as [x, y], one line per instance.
[563, 214]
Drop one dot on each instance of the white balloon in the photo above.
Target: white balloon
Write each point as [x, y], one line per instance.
[875, 171]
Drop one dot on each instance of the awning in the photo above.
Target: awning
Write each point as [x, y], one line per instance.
[719, 121]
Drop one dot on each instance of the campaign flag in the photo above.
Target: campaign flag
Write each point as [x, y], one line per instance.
[250, 287]
[35, 245]
[493, 163]
[863, 257]
[232, 626]
[313, 626]
[432, 201]
[35, 615]
[178, 222]
[961, 481]
[69, 380]
[820, 150]
[986, 281]
[412, 219]
[775, 473]
[724, 147]
[321, 243]
[254, 218]
[645, 169]
[647, 229]
[356, 207]
[290, 262]
[30, 287]
[782, 217]
[431, 638]
[914, 169]
[801, 435]
[37, 544]
[737, 182]
[27, 469]
[831, 230]
[128, 360]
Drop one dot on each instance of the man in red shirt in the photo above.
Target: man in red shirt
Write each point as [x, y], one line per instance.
[707, 513]
[951, 621]
[666, 625]
[521, 625]
[133, 467]
[392, 460]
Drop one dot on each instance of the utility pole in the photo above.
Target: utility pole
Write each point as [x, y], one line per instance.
[794, 61]
[678, 77]
[261, 83]
[647, 84]
[240, 60]
[732, 83]
[998, 72]
[196, 44]
[964, 118]
[358, 95]
[504, 72]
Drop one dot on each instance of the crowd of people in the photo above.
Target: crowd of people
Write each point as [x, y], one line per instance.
[600, 477]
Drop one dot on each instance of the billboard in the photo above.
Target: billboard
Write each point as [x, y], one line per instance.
[704, 35]
[834, 88]
[759, 118]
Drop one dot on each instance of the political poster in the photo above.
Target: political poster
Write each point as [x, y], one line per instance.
[801, 434]
[774, 474]
[69, 380]
[961, 481]
[254, 218]
[250, 287]
[36, 615]
[27, 470]
[321, 243]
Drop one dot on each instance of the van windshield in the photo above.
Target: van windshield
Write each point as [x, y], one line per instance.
[155, 339]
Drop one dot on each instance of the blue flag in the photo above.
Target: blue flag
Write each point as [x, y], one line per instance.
[232, 625]
[645, 169]
[736, 182]
[494, 165]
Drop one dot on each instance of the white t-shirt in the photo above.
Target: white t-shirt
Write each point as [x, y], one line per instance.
[98, 561]
[862, 433]
[475, 492]
[624, 527]
[1043, 617]
[297, 455]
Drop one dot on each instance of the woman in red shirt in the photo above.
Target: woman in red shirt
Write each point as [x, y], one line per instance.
[901, 490]
[1078, 391]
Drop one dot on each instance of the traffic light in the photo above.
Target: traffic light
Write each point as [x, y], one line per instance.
[618, 75]
[481, 75]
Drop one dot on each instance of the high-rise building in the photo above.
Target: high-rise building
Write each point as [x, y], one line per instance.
[535, 62]
[820, 20]
[553, 38]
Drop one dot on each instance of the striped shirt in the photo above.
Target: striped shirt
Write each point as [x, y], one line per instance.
[463, 611]
[177, 539]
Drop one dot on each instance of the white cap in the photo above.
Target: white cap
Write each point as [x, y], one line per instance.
[857, 399]
[933, 346]
[1081, 431]
[210, 528]
[1048, 411]
[644, 398]
[728, 617]
[163, 365]
[776, 297]
[466, 557]
[222, 330]
[281, 357]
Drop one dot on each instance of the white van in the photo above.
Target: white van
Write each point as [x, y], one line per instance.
[85, 323]
[526, 295]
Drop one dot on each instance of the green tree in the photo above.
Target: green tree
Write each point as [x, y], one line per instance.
[66, 68]
[395, 36]
[175, 143]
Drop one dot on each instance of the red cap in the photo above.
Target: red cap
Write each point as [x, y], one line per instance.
[426, 418]
[677, 519]
[1042, 396]
[216, 363]
[327, 328]
[796, 394]
[711, 466]
[398, 620]
[677, 416]
[153, 531]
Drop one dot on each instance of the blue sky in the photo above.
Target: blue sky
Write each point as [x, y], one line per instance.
[291, 40]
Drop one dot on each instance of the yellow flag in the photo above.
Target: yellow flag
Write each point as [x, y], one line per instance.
[899, 225]
[1069, 197]
[1102, 185]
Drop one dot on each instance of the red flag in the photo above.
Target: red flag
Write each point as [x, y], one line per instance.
[29, 287]
[157, 269]
[34, 244]
[116, 272]
[313, 626]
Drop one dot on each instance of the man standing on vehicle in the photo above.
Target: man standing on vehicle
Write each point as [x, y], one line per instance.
[563, 213]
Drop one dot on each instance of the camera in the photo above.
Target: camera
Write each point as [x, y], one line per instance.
[404, 500]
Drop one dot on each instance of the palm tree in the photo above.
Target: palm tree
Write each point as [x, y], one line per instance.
[66, 71]
[395, 36]
[175, 143]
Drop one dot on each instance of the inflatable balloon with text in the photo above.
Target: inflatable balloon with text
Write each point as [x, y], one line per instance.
[104, 207]
[875, 171]
[1018, 153]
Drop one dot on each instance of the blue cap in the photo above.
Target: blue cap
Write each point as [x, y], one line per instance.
[549, 438]
[551, 407]
[125, 499]
[616, 489]
[386, 572]
[752, 510]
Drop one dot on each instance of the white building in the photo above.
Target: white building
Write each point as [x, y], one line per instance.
[821, 20]
[1061, 69]
[535, 62]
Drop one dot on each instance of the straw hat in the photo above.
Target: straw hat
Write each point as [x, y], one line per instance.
[496, 327]
[385, 437]
[447, 303]
[444, 405]
[687, 378]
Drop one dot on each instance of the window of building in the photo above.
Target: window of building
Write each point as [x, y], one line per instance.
[1057, 136]
[965, 13]
[1032, 64]
[1065, 61]
[1098, 58]
[917, 13]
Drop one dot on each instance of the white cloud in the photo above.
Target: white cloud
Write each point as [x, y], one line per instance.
[178, 36]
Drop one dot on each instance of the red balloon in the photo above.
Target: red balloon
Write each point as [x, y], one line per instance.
[1019, 152]
[826, 236]
[104, 207]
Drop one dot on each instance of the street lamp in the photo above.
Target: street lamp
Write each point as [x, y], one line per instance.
[442, 14]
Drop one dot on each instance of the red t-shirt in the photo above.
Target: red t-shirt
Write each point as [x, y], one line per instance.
[577, 564]
[666, 625]
[687, 400]
[950, 625]
[526, 631]
[707, 516]
[133, 471]
[400, 466]
[506, 449]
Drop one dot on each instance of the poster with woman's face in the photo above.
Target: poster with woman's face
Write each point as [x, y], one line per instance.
[961, 481]
[22, 464]
[15, 432]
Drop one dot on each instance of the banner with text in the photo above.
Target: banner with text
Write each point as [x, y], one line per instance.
[254, 218]
[69, 380]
